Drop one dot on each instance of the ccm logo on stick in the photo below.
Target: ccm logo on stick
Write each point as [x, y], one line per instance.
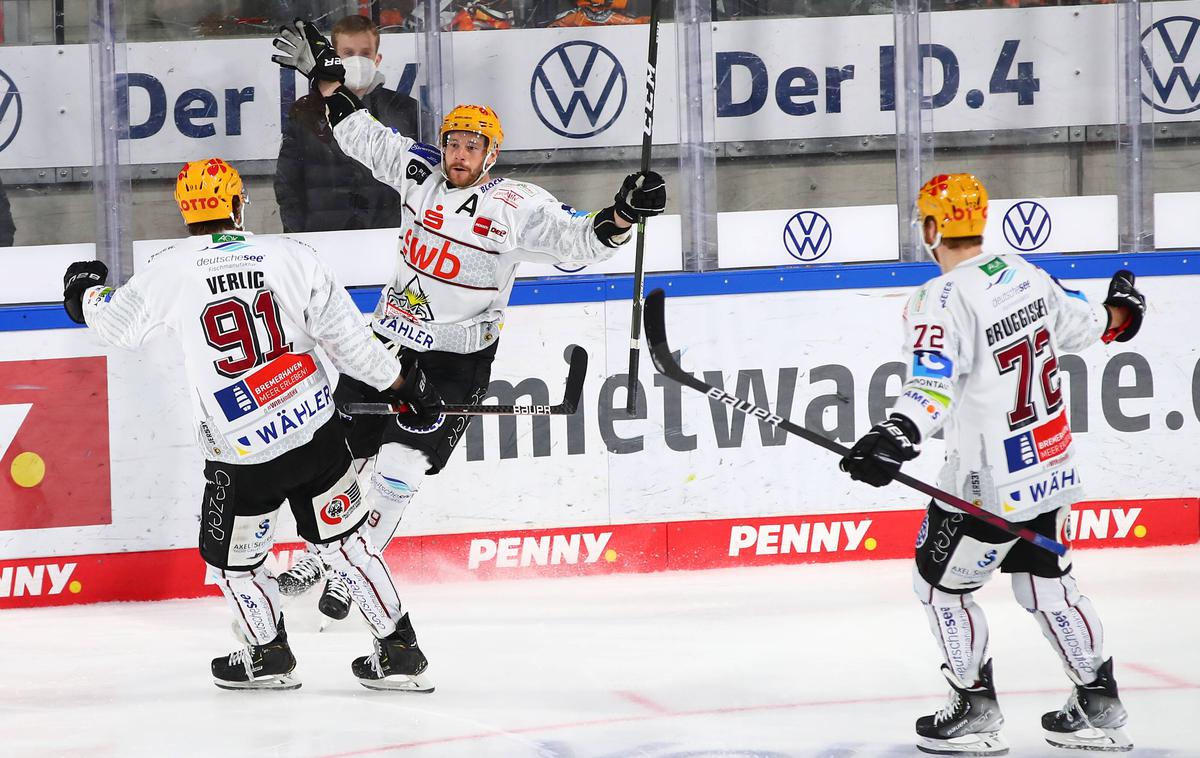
[511, 552]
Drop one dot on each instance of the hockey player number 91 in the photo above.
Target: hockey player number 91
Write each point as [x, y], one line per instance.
[228, 325]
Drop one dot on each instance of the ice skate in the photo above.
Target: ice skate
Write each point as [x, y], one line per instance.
[302, 576]
[1092, 719]
[397, 664]
[335, 601]
[258, 667]
[969, 724]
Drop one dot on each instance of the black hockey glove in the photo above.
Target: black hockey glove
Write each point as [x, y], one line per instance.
[877, 457]
[1122, 294]
[79, 277]
[305, 49]
[641, 196]
[417, 393]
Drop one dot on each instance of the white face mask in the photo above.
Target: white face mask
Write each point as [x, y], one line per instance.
[360, 72]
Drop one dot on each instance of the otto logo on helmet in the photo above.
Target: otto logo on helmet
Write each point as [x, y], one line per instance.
[204, 191]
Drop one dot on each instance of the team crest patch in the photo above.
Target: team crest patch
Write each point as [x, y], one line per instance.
[412, 302]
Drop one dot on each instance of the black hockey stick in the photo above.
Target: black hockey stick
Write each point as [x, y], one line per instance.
[575, 376]
[660, 353]
[639, 256]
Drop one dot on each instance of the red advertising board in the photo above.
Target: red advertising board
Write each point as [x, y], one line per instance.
[54, 462]
[579, 551]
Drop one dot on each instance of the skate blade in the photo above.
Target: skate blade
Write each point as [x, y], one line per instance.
[1092, 738]
[285, 682]
[981, 743]
[400, 683]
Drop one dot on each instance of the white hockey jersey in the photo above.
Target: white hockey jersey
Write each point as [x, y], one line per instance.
[459, 248]
[248, 312]
[982, 342]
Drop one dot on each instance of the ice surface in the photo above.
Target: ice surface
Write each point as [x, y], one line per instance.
[828, 660]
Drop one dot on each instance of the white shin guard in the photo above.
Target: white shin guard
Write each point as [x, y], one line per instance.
[254, 598]
[1068, 620]
[397, 477]
[959, 628]
[360, 566]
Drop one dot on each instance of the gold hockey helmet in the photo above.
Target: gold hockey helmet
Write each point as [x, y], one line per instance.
[205, 190]
[479, 119]
[957, 202]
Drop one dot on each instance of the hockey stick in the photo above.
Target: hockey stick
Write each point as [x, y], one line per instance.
[575, 376]
[660, 353]
[639, 262]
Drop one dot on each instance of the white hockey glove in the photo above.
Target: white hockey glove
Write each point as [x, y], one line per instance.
[306, 50]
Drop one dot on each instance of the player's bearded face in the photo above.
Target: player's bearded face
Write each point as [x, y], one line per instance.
[464, 155]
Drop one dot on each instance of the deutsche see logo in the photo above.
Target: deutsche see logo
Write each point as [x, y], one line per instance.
[1027, 226]
[807, 236]
[1172, 61]
[591, 81]
[10, 110]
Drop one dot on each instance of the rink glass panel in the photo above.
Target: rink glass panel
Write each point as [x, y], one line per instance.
[774, 120]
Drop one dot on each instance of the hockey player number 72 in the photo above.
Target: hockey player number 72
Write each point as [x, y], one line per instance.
[1019, 356]
[229, 325]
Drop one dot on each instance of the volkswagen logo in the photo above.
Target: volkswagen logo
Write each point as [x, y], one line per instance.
[10, 110]
[1172, 84]
[807, 236]
[1027, 226]
[578, 89]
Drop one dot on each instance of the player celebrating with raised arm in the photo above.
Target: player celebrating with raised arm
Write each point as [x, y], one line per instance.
[983, 339]
[249, 313]
[463, 235]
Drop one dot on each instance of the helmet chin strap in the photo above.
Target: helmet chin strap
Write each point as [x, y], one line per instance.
[930, 247]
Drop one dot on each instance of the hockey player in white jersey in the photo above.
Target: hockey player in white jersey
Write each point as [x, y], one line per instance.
[249, 312]
[463, 235]
[982, 340]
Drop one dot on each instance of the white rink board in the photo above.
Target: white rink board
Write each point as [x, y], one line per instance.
[780, 78]
[799, 336]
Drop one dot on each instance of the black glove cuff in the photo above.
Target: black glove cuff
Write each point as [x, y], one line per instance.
[341, 105]
[605, 225]
[906, 425]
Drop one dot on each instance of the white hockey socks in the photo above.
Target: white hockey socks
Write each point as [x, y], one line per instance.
[397, 477]
[959, 628]
[357, 563]
[1068, 620]
[254, 598]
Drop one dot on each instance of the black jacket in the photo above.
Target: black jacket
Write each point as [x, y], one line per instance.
[317, 187]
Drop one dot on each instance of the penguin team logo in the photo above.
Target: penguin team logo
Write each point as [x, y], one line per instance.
[412, 302]
[589, 78]
[11, 110]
